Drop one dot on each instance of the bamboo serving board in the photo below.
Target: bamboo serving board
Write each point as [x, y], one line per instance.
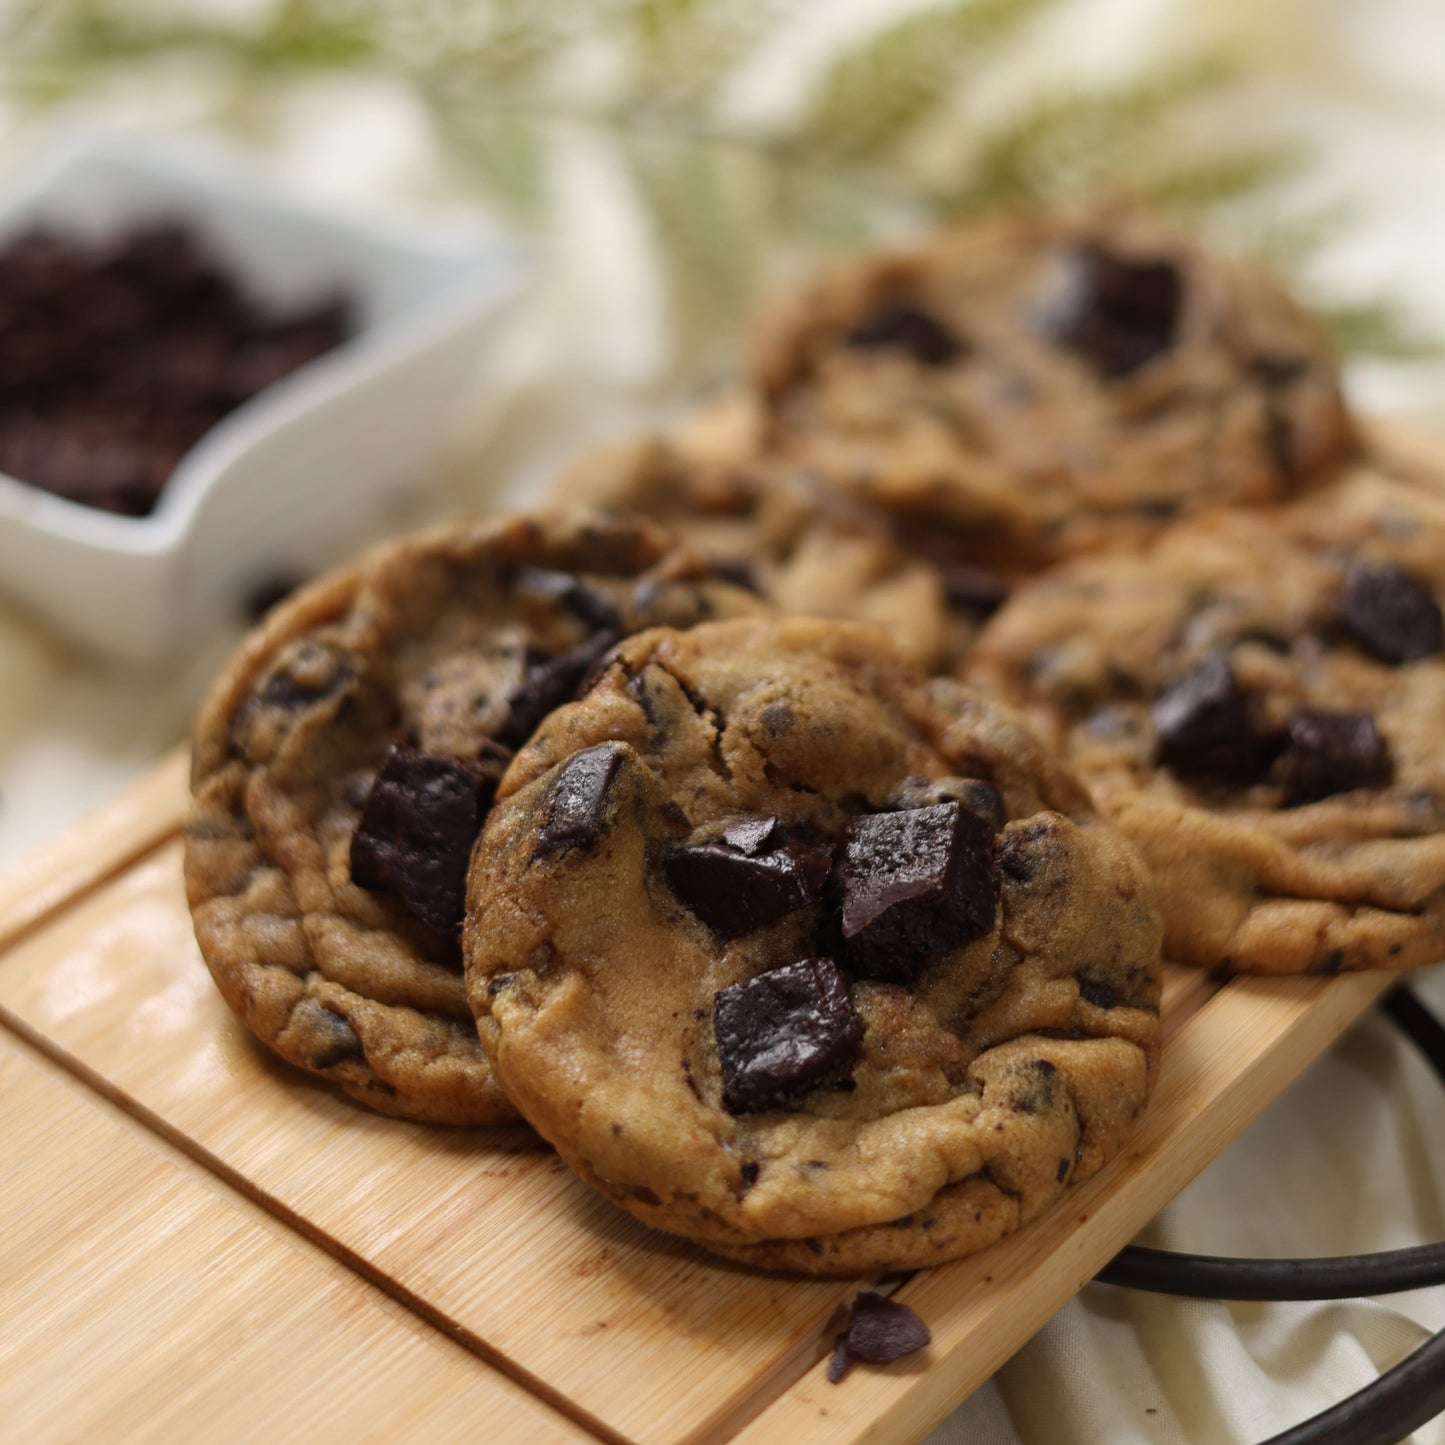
[210, 1244]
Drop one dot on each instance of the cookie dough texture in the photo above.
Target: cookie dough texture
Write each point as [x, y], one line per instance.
[1249, 879]
[809, 548]
[1039, 384]
[1009, 1068]
[431, 642]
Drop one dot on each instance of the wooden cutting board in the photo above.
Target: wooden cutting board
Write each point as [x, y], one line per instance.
[231, 1232]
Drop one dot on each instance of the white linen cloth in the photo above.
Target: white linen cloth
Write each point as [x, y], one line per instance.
[1351, 1159]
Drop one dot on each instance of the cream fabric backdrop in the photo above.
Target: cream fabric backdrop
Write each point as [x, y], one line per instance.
[1354, 1157]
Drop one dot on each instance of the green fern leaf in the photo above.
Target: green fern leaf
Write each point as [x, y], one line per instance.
[875, 95]
[1066, 144]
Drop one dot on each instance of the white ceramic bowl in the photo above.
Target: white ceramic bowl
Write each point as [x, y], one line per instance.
[308, 468]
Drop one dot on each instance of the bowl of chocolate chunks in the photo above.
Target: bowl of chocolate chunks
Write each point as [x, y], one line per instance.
[205, 386]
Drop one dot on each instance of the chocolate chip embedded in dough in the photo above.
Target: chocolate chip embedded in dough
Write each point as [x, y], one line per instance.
[576, 813]
[1332, 752]
[1118, 314]
[1390, 614]
[973, 589]
[415, 834]
[570, 592]
[330, 1038]
[786, 1031]
[879, 1330]
[900, 326]
[735, 891]
[1206, 727]
[916, 884]
[549, 684]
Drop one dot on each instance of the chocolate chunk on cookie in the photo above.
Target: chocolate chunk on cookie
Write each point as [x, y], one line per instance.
[789, 1005]
[1207, 726]
[1332, 752]
[1030, 385]
[414, 837]
[1390, 614]
[739, 884]
[897, 326]
[785, 1031]
[1255, 702]
[575, 815]
[1118, 313]
[916, 885]
[345, 762]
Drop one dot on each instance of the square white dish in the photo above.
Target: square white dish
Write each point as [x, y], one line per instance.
[309, 467]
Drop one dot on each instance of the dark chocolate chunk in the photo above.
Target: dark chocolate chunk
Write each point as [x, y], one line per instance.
[549, 683]
[1332, 752]
[414, 838]
[879, 1330]
[575, 813]
[307, 674]
[788, 1030]
[571, 592]
[735, 888]
[1206, 727]
[1118, 314]
[330, 1038]
[1390, 614]
[738, 574]
[749, 834]
[1102, 993]
[916, 884]
[899, 326]
[117, 356]
[975, 794]
[973, 589]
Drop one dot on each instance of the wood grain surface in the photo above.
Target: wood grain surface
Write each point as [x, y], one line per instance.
[465, 1285]
[144, 1300]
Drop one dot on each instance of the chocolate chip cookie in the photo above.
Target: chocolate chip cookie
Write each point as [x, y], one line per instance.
[343, 766]
[1256, 702]
[1033, 385]
[808, 548]
[796, 954]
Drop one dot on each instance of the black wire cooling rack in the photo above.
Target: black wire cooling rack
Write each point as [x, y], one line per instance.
[1403, 1398]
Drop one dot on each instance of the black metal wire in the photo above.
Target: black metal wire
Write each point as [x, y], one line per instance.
[1404, 1397]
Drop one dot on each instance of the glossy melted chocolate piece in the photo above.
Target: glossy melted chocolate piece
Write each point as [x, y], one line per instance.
[916, 884]
[785, 1031]
[1390, 614]
[1118, 314]
[415, 835]
[756, 874]
[879, 1330]
[576, 813]
[1205, 726]
[1332, 752]
[899, 326]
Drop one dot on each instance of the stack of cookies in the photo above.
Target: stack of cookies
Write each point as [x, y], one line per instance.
[789, 824]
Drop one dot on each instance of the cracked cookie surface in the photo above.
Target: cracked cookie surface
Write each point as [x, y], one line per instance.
[344, 762]
[809, 548]
[1036, 385]
[1256, 702]
[794, 953]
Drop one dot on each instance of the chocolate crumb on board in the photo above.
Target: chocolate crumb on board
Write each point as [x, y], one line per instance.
[879, 1331]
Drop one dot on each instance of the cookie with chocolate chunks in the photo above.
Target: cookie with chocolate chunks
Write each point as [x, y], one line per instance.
[1257, 703]
[344, 766]
[798, 954]
[1030, 385]
[806, 546]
